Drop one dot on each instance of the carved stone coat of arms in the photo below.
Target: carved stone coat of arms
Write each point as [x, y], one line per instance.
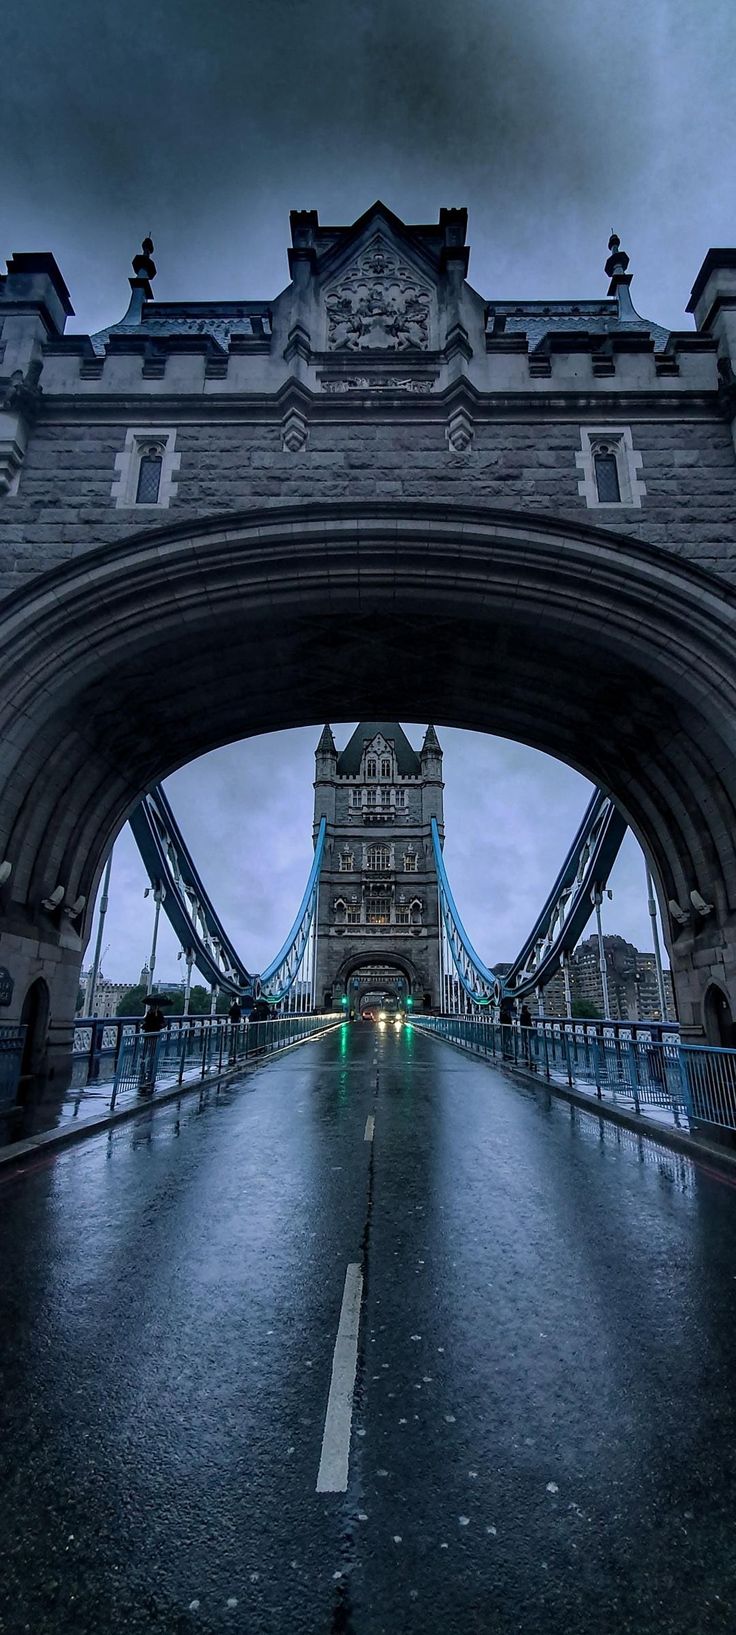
[378, 304]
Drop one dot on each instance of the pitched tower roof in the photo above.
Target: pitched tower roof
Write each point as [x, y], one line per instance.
[326, 745]
[349, 759]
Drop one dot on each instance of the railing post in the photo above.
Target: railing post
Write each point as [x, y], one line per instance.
[634, 1074]
[182, 1051]
[568, 1059]
[546, 1054]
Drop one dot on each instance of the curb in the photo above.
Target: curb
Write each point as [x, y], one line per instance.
[679, 1140]
[78, 1129]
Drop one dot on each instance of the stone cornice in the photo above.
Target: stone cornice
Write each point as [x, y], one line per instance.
[372, 406]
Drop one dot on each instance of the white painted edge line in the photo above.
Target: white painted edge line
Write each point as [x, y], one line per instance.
[370, 1125]
[332, 1476]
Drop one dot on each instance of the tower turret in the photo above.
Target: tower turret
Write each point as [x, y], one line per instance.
[325, 771]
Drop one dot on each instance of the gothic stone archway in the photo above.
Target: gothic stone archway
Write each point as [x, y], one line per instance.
[610, 654]
[378, 957]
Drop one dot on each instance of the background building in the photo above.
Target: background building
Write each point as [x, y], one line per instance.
[377, 916]
[633, 990]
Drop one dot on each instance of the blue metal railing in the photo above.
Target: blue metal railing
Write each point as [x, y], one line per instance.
[696, 1084]
[178, 1055]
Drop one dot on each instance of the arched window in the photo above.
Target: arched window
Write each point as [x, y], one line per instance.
[378, 857]
[149, 476]
[371, 769]
[386, 767]
[606, 474]
[340, 907]
[416, 912]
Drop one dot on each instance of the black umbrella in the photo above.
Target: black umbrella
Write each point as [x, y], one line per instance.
[158, 999]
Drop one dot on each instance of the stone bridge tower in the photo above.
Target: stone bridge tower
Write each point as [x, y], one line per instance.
[378, 907]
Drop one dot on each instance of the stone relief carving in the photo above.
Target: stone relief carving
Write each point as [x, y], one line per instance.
[375, 383]
[379, 303]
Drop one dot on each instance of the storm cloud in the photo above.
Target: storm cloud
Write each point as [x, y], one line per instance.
[205, 124]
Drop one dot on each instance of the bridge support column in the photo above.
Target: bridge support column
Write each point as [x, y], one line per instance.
[45, 973]
[704, 975]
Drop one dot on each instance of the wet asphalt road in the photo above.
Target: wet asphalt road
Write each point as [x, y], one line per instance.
[544, 1424]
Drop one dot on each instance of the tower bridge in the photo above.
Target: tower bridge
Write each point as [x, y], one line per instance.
[381, 482]
[381, 486]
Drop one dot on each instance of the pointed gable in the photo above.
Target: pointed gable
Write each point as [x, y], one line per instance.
[407, 759]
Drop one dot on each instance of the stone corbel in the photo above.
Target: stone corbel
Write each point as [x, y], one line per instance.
[459, 431]
[458, 343]
[299, 344]
[13, 442]
[19, 399]
[294, 431]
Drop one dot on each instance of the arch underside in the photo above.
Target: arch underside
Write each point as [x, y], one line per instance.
[613, 656]
[379, 958]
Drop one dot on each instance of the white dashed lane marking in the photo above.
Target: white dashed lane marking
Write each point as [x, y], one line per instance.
[332, 1476]
[370, 1125]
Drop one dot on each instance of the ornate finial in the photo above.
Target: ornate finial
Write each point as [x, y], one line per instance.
[617, 262]
[143, 265]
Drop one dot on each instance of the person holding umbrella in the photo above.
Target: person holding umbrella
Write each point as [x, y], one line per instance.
[235, 1016]
[153, 1021]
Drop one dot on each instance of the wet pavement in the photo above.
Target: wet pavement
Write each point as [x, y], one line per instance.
[544, 1426]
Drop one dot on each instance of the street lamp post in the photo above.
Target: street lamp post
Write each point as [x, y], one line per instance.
[89, 1001]
[565, 963]
[189, 957]
[657, 951]
[597, 899]
[158, 896]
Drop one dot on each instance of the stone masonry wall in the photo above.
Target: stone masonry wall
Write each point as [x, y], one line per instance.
[64, 506]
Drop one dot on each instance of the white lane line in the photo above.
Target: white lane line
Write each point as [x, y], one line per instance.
[332, 1476]
[370, 1124]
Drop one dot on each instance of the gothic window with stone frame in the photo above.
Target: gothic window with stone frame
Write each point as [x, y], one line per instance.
[150, 466]
[401, 797]
[606, 475]
[340, 906]
[386, 767]
[385, 797]
[403, 916]
[371, 797]
[346, 862]
[378, 857]
[371, 768]
[378, 909]
[410, 862]
[146, 469]
[353, 915]
[415, 909]
[609, 468]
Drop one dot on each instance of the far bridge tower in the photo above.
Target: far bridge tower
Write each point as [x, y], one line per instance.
[377, 917]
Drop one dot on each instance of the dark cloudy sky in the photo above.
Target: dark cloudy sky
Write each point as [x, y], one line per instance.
[552, 120]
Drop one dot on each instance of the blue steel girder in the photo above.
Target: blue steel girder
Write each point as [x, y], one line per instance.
[562, 920]
[279, 976]
[185, 901]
